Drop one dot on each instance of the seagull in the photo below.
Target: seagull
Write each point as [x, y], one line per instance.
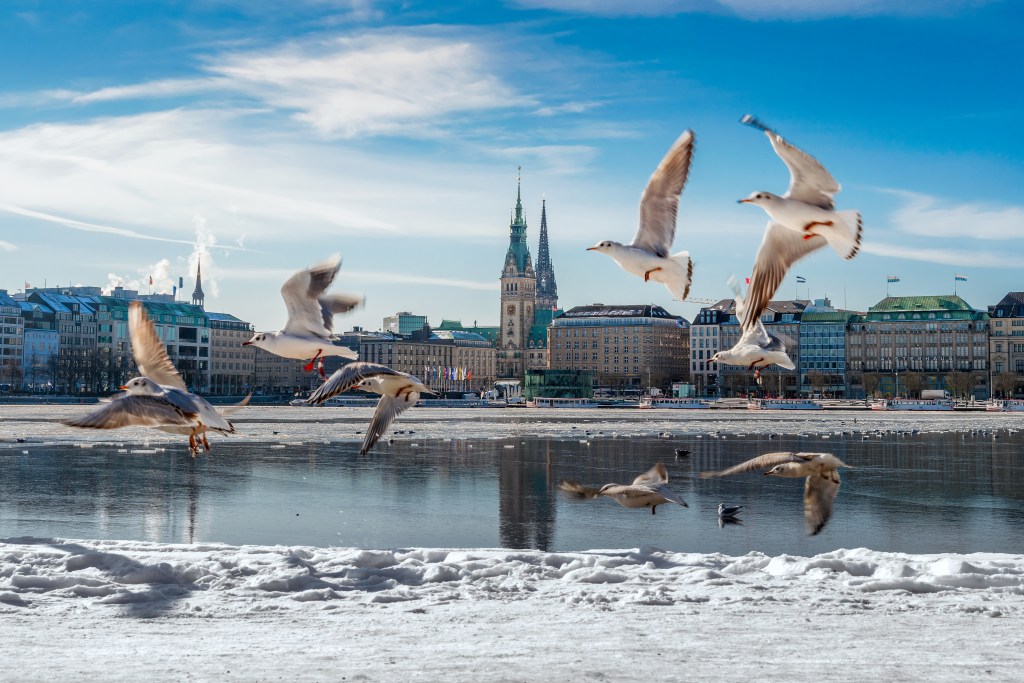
[757, 348]
[728, 511]
[398, 392]
[647, 490]
[648, 254]
[801, 221]
[159, 397]
[309, 330]
[820, 469]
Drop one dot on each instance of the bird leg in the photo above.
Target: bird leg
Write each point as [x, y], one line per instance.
[193, 445]
[654, 508]
[807, 228]
[309, 366]
[320, 368]
[206, 444]
[647, 275]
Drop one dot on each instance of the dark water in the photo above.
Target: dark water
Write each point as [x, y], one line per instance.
[926, 493]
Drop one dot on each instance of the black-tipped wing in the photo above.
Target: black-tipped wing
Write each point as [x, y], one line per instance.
[808, 180]
[659, 202]
[347, 377]
[780, 249]
[337, 303]
[150, 353]
[301, 293]
[819, 494]
[574, 489]
[654, 476]
[388, 408]
[231, 410]
[761, 462]
[134, 411]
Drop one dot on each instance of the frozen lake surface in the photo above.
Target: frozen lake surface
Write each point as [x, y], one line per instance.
[923, 483]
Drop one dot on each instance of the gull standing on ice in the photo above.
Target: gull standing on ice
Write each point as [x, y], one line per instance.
[822, 484]
[398, 392]
[159, 397]
[309, 330]
[757, 348]
[801, 221]
[648, 254]
[648, 490]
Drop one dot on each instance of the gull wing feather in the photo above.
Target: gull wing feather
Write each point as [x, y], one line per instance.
[301, 293]
[652, 477]
[780, 249]
[347, 377]
[388, 408]
[337, 303]
[808, 180]
[574, 489]
[819, 494]
[672, 496]
[231, 410]
[134, 411]
[659, 202]
[766, 461]
[150, 353]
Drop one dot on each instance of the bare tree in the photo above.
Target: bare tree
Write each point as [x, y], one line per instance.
[1006, 383]
[818, 381]
[871, 381]
[960, 383]
[913, 382]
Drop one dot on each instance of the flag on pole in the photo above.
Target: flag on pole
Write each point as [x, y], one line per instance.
[959, 278]
[27, 286]
[892, 278]
[747, 281]
[469, 374]
[150, 280]
[800, 279]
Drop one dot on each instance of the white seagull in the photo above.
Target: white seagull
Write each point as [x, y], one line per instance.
[757, 348]
[820, 469]
[728, 511]
[398, 392]
[648, 254]
[648, 490]
[801, 221]
[159, 397]
[309, 330]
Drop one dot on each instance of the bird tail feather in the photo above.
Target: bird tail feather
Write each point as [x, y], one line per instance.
[845, 238]
[680, 287]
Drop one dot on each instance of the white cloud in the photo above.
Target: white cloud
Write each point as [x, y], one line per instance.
[7, 246]
[945, 256]
[926, 215]
[560, 159]
[754, 9]
[567, 108]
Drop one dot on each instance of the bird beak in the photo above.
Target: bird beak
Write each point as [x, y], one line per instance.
[742, 201]
[123, 388]
[246, 343]
[766, 473]
[591, 248]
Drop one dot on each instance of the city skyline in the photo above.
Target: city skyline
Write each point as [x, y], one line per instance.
[263, 138]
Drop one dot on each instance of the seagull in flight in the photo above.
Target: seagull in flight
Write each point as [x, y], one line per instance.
[648, 254]
[650, 489]
[801, 221]
[309, 331]
[821, 471]
[757, 348]
[398, 392]
[158, 398]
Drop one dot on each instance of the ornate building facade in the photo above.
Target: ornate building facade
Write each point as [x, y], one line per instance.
[528, 299]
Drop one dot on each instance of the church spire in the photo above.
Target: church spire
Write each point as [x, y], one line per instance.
[519, 197]
[547, 291]
[518, 252]
[197, 293]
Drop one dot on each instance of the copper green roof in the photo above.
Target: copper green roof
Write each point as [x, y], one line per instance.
[826, 316]
[941, 307]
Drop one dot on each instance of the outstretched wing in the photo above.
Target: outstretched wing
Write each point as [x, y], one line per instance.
[388, 408]
[574, 489]
[761, 462]
[301, 293]
[819, 494]
[134, 411]
[780, 249]
[660, 199]
[654, 476]
[808, 180]
[150, 353]
[337, 303]
[347, 377]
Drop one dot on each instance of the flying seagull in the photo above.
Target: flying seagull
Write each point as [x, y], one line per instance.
[822, 479]
[159, 397]
[309, 331]
[398, 392]
[648, 254]
[757, 348]
[648, 490]
[801, 221]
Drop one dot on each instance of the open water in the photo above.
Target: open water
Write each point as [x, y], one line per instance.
[922, 483]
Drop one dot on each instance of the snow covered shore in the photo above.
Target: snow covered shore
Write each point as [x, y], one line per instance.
[124, 610]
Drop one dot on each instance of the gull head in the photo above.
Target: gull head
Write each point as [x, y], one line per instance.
[786, 469]
[604, 489]
[605, 245]
[257, 340]
[142, 386]
[721, 357]
[760, 199]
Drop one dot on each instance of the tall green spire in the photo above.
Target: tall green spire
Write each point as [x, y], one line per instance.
[519, 197]
[517, 248]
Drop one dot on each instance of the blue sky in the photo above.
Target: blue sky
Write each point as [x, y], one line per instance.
[135, 137]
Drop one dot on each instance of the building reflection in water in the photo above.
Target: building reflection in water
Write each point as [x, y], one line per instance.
[526, 505]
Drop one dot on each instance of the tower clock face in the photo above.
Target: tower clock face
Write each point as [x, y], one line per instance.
[511, 309]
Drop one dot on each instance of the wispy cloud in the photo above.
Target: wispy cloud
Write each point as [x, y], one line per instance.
[83, 225]
[946, 256]
[753, 9]
[554, 158]
[926, 215]
[567, 108]
[7, 246]
[413, 279]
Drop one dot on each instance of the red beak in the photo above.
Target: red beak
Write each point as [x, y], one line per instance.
[246, 343]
